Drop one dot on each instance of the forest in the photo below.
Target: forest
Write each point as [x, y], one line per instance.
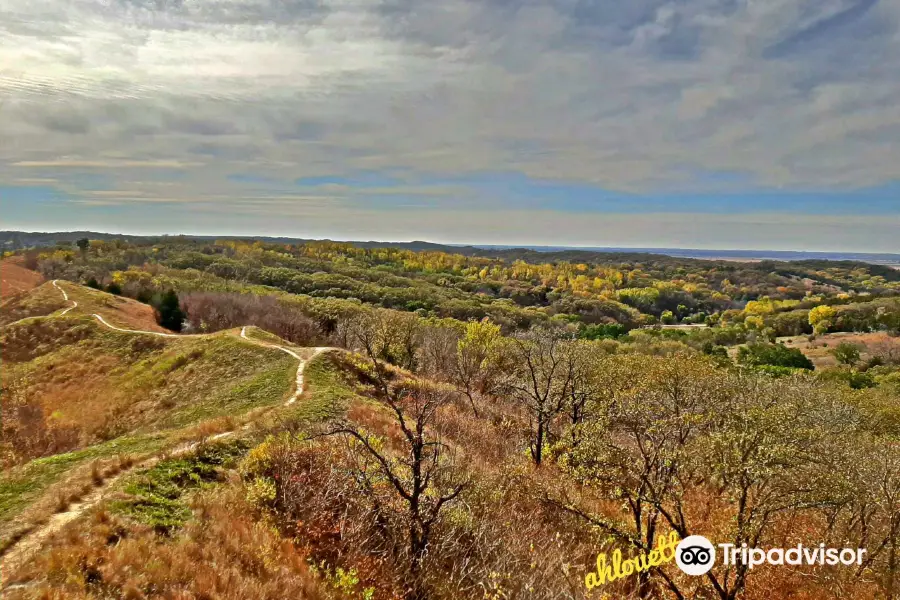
[496, 423]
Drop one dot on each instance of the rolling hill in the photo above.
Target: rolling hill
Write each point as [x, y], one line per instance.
[92, 386]
[410, 454]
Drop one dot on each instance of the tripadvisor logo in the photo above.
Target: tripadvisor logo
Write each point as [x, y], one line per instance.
[696, 555]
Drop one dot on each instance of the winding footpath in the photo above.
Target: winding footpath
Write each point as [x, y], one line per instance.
[299, 379]
[298, 389]
[23, 549]
[65, 297]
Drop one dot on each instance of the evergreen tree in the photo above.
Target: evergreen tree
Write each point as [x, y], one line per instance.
[84, 245]
[170, 313]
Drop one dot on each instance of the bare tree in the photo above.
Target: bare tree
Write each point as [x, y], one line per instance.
[422, 471]
[385, 335]
[541, 376]
[212, 311]
[678, 428]
[887, 350]
[869, 514]
[437, 355]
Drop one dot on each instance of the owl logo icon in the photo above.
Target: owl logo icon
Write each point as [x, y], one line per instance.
[695, 555]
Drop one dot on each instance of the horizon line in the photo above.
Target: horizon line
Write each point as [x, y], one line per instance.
[481, 246]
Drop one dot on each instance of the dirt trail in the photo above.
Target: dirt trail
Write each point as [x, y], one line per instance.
[299, 385]
[33, 541]
[65, 297]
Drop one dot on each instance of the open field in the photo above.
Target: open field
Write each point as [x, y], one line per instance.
[819, 349]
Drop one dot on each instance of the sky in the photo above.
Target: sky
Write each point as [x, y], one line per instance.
[746, 124]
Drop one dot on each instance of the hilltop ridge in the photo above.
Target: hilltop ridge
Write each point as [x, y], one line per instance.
[16, 240]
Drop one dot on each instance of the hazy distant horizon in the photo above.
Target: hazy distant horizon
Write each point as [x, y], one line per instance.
[730, 253]
[890, 258]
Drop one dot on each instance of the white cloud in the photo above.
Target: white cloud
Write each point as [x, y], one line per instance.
[628, 95]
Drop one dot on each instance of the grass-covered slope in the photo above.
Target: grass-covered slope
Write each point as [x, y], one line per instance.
[182, 524]
[15, 278]
[48, 298]
[77, 394]
[38, 302]
[102, 383]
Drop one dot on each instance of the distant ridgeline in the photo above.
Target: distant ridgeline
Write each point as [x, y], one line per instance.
[17, 240]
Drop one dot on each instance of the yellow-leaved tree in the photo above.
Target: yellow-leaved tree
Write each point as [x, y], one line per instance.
[821, 318]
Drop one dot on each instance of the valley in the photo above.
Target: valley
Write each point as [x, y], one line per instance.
[332, 422]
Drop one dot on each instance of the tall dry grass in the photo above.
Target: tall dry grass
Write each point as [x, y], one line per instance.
[225, 553]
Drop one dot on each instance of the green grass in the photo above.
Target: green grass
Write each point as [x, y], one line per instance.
[230, 378]
[41, 301]
[22, 486]
[262, 335]
[159, 494]
[329, 390]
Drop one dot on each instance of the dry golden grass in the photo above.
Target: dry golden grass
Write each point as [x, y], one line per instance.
[116, 310]
[95, 384]
[15, 278]
[58, 497]
[37, 302]
[224, 554]
[819, 349]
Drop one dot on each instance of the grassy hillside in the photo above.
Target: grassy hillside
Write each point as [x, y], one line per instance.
[38, 302]
[434, 458]
[75, 391]
[100, 382]
[145, 497]
[15, 278]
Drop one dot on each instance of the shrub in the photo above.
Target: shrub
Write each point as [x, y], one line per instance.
[778, 355]
[846, 353]
[170, 313]
[603, 331]
[775, 371]
[857, 380]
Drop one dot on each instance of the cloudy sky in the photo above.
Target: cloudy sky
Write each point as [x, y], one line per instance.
[759, 124]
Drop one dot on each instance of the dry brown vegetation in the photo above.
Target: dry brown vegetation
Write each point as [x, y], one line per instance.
[521, 531]
[517, 530]
[819, 348]
[208, 311]
[470, 464]
[38, 302]
[69, 383]
[224, 553]
[16, 278]
[117, 310]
